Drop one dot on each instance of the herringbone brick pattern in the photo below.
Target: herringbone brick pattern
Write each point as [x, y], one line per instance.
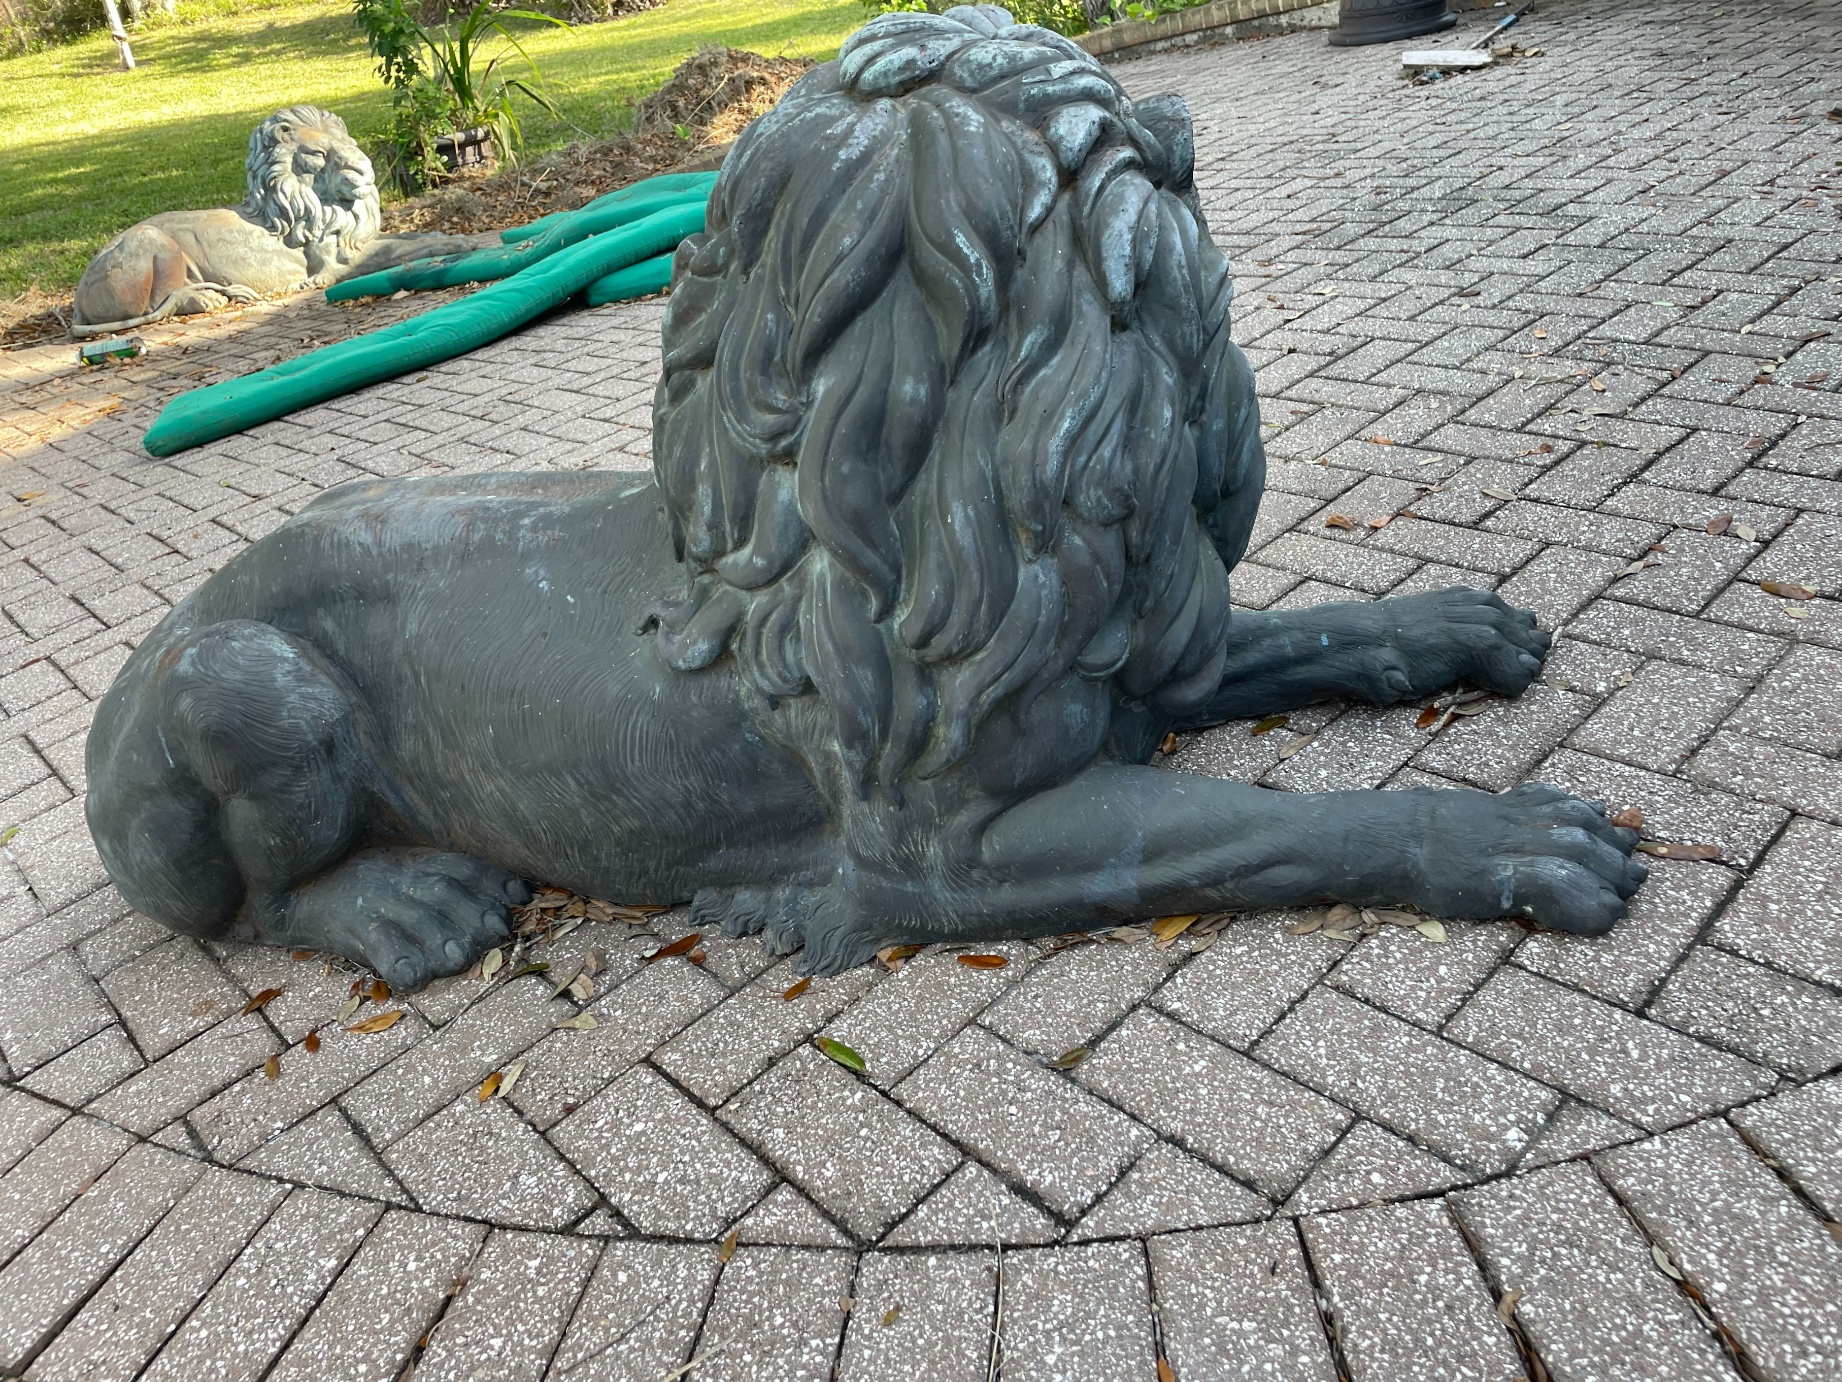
[1567, 328]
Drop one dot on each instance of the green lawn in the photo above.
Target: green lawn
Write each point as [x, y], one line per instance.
[86, 149]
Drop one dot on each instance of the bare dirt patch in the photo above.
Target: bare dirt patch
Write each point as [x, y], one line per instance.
[685, 124]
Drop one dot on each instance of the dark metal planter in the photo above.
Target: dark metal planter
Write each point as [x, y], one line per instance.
[467, 148]
[1383, 21]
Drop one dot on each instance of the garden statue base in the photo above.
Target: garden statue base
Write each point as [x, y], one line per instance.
[953, 457]
[311, 217]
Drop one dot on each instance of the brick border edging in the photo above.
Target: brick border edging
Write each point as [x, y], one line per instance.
[1221, 19]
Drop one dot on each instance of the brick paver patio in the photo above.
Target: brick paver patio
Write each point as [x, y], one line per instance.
[1567, 326]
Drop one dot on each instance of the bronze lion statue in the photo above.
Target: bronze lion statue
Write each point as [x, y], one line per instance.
[953, 458]
[311, 217]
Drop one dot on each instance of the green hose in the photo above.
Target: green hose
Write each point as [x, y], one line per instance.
[628, 205]
[204, 415]
[665, 182]
[643, 279]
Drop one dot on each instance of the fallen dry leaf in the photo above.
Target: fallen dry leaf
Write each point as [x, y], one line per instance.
[1267, 724]
[347, 1008]
[491, 962]
[380, 991]
[678, 947]
[1382, 441]
[1070, 1058]
[1669, 849]
[261, 1000]
[727, 1248]
[1471, 707]
[1745, 532]
[1720, 523]
[891, 1315]
[1169, 744]
[797, 989]
[1337, 520]
[378, 1023]
[1165, 930]
[305, 954]
[1307, 926]
[1497, 493]
[490, 1085]
[1339, 913]
[1816, 378]
[512, 1072]
[272, 1068]
[312, 1042]
[1541, 333]
[1390, 916]
[1165, 1372]
[1430, 928]
[1598, 386]
[582, 988]
[983, 961]
[1631, 818]
[581, 1022]
[539, 967]
[1796, 612]
[1126, 935]
[1507, 1306]
[894, 956]
[1787, 590]
[1427, 716]
[841, 1053]
[1753, 443]
[1301, 742]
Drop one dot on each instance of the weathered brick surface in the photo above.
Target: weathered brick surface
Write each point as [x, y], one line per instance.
[1431, 280]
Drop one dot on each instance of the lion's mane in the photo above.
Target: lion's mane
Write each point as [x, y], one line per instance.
[337, 207]
[949, 409]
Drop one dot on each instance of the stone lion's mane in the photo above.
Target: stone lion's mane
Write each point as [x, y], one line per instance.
[949, 407]
[339, 204]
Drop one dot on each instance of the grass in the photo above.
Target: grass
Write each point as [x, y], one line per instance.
[87, 149]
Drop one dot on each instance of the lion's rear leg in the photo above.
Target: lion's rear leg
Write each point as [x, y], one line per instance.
[144, 276]
[228, 788]
[779, 915]
[131, 282]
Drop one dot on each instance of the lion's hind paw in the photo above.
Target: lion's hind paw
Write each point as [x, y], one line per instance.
[777, 915]
[818, 920]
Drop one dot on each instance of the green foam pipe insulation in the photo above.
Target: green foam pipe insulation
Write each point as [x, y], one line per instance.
[640, 280]
[204, 415]
[665, 182]
[489, 265]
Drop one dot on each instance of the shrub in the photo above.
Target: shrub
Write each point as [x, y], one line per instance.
[442, 82]
[28, 24]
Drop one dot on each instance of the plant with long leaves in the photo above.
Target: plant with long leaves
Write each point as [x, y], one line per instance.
[444, 81]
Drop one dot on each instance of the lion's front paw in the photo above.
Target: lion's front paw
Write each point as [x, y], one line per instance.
[1444, 636]
[1534, 852]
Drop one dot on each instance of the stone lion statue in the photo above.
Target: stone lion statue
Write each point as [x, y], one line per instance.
[311, 217]
[953, 459]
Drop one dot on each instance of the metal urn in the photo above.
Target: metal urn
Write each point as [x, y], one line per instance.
[1383, 21]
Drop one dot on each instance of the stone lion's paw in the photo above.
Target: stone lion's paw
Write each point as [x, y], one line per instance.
[412, 915]
[1535, 852]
